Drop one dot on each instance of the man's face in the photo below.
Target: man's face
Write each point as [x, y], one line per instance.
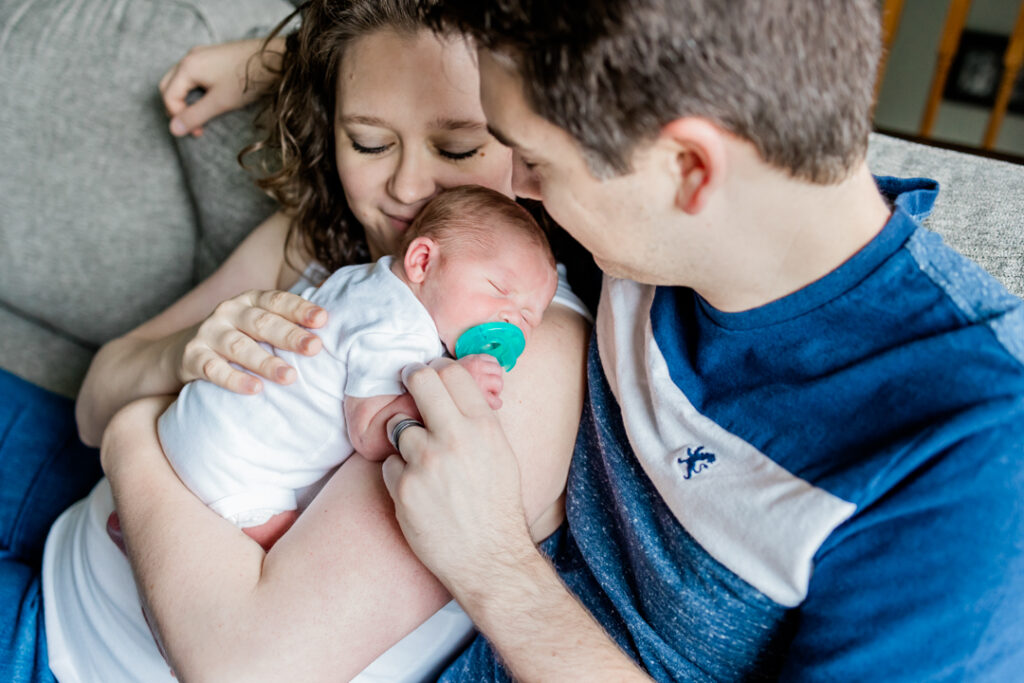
[621, 221]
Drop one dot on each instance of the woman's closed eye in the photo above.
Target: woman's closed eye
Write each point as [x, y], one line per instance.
[364, 149]
[380, 149]
[457, 156]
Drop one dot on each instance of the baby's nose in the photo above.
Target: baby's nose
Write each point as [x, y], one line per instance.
[513, 317]
[516, 318]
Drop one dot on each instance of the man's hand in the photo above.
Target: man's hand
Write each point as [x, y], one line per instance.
[489, 376]
[456, 485]
[458, 501]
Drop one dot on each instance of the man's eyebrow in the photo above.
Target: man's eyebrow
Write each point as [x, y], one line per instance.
[501, 137]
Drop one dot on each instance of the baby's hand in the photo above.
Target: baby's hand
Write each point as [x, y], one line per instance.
[489, 376]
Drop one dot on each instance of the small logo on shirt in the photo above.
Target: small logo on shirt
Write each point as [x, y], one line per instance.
[697, 460]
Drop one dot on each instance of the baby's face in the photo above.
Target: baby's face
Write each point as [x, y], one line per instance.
[514, 285]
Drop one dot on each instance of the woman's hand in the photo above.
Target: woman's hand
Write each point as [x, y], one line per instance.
[232, 74]
[231, 334]
[149, 360]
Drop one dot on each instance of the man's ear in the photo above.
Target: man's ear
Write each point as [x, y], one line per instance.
[419, 255]
[699, 160]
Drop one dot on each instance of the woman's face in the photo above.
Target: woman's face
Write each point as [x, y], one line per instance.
[409, 124]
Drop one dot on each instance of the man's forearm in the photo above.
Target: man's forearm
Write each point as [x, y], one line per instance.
[539, 629]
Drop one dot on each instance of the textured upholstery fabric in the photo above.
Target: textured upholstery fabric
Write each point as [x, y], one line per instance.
[980, 209]
[105, 219]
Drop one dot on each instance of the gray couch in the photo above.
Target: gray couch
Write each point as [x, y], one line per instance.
[105, 219]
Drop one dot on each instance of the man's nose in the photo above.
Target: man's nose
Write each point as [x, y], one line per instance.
[525, 183]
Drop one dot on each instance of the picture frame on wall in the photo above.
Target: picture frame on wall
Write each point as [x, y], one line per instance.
[977, 70]
[1016, 104]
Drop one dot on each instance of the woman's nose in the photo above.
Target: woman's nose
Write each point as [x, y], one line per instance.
[412, 180]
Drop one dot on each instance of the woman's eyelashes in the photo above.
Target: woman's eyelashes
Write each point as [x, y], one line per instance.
[445, 153]
[364, 149]
[458, 156]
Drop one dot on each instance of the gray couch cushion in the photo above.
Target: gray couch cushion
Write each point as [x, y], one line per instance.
[980, 208]
[41, 355]
[104, 218]
[227, 203]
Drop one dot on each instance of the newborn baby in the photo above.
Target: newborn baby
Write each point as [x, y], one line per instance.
[472, 256]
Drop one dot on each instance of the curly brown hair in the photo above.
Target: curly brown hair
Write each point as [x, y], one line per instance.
[296, 159]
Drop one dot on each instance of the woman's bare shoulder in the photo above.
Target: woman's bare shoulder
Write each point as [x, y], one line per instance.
[542, 402]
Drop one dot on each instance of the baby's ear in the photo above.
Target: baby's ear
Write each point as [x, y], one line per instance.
[420, 253]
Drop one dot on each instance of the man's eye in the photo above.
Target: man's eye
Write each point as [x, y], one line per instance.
[528, 165]
[458, 156]
[380, 149]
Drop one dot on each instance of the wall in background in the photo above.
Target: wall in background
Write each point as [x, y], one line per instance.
[912, 63]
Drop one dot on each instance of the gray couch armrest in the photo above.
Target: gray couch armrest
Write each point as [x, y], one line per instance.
[980, 207]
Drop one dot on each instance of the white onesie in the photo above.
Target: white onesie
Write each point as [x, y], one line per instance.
[247, 456]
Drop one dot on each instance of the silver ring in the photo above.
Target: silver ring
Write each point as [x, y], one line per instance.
[401, 426]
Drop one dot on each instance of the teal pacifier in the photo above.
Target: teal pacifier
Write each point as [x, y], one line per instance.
[504, 341]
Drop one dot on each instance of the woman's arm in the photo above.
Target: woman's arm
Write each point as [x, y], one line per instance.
[231, 75]
[342, 585]
[186, 342]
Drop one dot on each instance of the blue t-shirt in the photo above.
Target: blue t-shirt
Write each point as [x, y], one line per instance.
[828, 487]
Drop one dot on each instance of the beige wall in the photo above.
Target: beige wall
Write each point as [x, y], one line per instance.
[912, 62]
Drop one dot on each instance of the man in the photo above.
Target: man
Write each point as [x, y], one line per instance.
[801, 451]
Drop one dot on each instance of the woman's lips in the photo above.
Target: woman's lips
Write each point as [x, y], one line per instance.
[397, 222]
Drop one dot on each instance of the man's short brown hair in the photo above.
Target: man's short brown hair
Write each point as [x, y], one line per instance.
[794, 77]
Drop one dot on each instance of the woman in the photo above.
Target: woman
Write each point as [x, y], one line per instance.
[377, 115]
